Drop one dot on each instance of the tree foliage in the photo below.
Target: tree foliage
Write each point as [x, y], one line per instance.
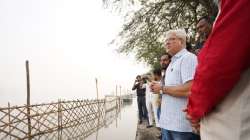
[143, 31]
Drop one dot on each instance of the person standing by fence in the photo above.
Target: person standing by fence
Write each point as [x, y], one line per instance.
[140, 88]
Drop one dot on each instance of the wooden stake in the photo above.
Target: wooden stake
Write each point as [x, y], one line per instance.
[98, 111]
[120, 90]
[116, 90]
[9, 119]
[59, 120]
[96, 83]
[28, 99]
[120, 97]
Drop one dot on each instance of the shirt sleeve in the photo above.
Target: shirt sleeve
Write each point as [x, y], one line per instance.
[222, 60]
[135, 86]
[188, 65]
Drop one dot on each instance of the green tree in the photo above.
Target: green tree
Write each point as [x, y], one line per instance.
[143, 31]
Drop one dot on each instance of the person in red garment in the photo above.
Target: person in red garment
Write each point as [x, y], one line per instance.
[220, 94]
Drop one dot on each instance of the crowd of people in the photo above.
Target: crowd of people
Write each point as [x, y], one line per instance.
[205, 93]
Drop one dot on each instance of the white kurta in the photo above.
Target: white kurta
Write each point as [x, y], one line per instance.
[151, 99]
[230, 120]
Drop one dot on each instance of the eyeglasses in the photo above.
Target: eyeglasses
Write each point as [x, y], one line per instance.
[171, 39]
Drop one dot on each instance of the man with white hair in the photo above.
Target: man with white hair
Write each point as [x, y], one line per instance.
[178, 80]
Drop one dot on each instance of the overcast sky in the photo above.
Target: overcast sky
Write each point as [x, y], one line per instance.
[66, 43]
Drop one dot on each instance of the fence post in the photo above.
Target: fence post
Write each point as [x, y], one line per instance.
[98, 108]
[116, 114]
[28, 99]
[9, 119]
[105, 108]
[59, 119]
[116, 95]
[97, 97]
[96, 83]
[105, 111]
[120, 97]
[120, 90]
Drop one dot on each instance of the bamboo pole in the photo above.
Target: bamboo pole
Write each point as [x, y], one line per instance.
[120, 97]
[97, 96]
[116, 91]
[28, 99]
[116, 111]
[120, 90]
[96, 83]
[59, 119]
[98, 108]
[105, 101]
[116, 114]
[9, 119]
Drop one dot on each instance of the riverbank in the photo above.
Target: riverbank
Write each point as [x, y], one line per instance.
[144, 133]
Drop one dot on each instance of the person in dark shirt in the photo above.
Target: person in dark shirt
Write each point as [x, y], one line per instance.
[204, 27]
[140, 88]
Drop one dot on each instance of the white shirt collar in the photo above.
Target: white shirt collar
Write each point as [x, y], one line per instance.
[179, 54]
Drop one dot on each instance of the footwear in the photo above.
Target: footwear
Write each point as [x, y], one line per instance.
[140, 122]
[149, 126]
[159, 137]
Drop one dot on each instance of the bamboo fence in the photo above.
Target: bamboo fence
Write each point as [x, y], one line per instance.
[57, 120]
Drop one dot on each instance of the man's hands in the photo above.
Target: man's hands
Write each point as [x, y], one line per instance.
[194, 122]
[155, 87]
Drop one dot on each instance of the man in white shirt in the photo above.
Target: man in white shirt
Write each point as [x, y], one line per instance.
[178, 80]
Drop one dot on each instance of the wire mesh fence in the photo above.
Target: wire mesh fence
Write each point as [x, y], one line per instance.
[58, 120]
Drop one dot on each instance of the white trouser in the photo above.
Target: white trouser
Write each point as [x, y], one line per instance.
[230, 120]
[155, 108]
[152, 109]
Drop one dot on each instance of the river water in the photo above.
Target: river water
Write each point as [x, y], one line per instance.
[123, 126]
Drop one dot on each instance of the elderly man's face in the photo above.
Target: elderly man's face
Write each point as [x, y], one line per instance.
[173, 44]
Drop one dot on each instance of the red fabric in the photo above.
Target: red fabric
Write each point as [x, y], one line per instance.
[225, 56]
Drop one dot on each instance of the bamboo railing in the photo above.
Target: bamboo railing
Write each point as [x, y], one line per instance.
[57, 120]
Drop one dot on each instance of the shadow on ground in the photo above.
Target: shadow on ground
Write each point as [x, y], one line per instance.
[144, 133]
